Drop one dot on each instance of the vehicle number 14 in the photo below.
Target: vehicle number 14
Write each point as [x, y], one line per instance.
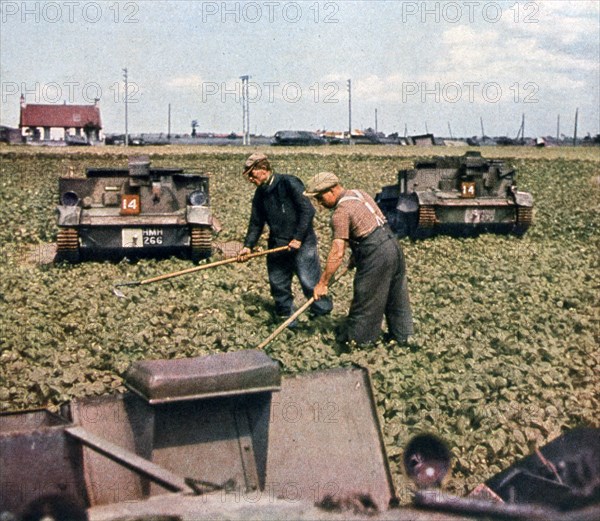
[467, 189]
[130, 204]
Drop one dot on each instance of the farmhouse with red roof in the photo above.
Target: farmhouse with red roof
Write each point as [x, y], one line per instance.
[70, 123]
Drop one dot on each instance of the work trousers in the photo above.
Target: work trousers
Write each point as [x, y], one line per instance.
[380, 288]
[303, 262]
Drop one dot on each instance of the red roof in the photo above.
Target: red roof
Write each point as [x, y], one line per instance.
[62, 116]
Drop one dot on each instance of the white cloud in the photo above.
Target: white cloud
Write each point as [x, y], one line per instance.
[373, 87]
[556, 22]
[185, 82]
[509, 56]
[571, 8]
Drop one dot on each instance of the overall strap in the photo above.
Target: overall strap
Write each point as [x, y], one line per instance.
[359, 197]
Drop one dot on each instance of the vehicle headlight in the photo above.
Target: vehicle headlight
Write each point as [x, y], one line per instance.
[69, 199]
[198, 198]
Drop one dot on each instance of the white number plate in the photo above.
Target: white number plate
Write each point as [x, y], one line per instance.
[139, 238]
[480, 215]
[153, 237]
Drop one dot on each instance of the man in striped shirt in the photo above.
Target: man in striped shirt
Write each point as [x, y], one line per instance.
[380, 284]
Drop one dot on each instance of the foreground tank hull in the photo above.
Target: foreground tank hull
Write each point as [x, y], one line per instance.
[225, 426]
[227, 437]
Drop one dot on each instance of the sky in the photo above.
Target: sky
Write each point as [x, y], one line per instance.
[445, 67]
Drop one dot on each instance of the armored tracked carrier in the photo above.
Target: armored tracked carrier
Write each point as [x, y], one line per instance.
[135, 212]
[226, 436]
[458, 196]
[211, 434]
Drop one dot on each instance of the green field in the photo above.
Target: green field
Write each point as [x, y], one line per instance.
[505, 355]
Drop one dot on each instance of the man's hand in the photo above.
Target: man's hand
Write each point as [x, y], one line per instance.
[320, 290]
[242, 255]
[334, 260]
[294, 244]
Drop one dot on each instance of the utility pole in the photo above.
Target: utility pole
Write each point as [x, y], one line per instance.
[575, 130]
[245, 111]
[521, 132]
[126, 96]
[450, 130]
[349, 109]
[558, 128]
[169, 124]
[482, 131]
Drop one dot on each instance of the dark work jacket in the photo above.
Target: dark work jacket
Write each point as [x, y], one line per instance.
[282, 205]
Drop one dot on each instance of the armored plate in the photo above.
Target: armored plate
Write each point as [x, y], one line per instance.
[325, 439]
[36, 457]
[319, 436]
[215, 431]
[160, 381]
[229, 507]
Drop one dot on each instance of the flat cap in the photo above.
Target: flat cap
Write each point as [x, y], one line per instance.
[252, 161]
[320, 183]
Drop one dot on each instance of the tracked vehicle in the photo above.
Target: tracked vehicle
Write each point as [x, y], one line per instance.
[458, 196]
[226, 436]
[213, 434]
[135, 212]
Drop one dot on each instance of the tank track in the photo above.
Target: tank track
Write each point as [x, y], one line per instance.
[67, 247]
[200, 243]
[427, 218]
[524, 219]
[524, 215]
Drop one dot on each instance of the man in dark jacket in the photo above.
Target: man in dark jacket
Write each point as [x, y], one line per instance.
[279, 202]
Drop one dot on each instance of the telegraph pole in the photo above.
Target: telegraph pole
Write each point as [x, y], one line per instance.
[349, 109]
[245, 111]
[575, 129]
[126, 96]
[521, 132]
[169, 124]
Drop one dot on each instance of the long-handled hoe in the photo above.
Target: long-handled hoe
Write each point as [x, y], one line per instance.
[296, 314]
[120, 294]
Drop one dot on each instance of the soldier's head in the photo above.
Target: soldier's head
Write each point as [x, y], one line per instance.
[325, 188]
[257, 169]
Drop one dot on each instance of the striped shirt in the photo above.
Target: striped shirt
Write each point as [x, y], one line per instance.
[356, 215]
